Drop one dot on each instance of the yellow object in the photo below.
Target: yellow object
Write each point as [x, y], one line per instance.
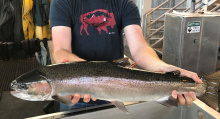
[27, 19]
[43, 32]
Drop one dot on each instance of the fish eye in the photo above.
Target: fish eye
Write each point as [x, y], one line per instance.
[23, 86]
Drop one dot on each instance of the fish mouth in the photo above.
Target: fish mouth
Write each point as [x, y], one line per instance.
[15, 93]
[21, 95]
[14, 85]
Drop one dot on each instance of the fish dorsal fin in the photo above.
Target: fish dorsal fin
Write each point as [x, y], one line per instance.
[168, 101]
[64, 99]
[125, 62]
[121, 106]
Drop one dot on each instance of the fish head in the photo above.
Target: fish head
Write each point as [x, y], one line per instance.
[32, 86]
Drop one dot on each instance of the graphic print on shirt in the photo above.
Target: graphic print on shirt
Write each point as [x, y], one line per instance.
[93, 18]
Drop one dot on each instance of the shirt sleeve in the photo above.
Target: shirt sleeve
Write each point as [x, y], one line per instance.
[130, 14]
[60, 13]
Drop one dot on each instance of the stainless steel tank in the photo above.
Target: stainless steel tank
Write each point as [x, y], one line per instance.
[191, 41]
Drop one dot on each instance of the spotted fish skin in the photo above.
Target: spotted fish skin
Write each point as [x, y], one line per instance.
[104, 80]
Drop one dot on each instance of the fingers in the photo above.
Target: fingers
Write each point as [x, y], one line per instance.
[174, 94]
[181, 100]
[193, 95]
[184, 72]
[76, 98]
[86, 98]
[93, 99]
[192, 75]
[187, 99]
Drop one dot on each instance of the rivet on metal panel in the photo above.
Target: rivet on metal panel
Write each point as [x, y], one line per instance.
[201, 115]
[196, 41]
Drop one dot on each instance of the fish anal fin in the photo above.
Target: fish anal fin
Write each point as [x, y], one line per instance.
[63, 99]
[120, 105]
[168, 101]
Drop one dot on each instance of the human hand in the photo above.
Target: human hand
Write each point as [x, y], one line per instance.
[76, 97]
[186, 98]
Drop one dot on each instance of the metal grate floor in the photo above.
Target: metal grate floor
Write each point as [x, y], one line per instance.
[9, 70]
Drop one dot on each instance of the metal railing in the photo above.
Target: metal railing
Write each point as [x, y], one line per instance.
[215, 8]
[148, 18]
[148, 22]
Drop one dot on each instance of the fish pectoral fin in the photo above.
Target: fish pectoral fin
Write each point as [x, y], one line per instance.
[63, 99]
[120, 105]
[168, 101]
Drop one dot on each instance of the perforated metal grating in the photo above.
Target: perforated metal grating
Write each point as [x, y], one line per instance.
[9, 70]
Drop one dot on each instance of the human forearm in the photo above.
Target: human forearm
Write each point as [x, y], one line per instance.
[149, 59]
[62, 54]
[62, 49]
[140, 50]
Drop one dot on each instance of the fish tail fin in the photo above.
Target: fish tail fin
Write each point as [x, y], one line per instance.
[212, 89]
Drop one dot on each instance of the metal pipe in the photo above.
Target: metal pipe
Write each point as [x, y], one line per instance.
[190, 7]
[193, 6]
[145, 32]
[206, 5]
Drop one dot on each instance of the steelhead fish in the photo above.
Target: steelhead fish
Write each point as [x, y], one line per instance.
[109, 81]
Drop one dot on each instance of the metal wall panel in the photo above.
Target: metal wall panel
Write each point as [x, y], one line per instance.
[190, 45]
[209, 44]
[172, 55]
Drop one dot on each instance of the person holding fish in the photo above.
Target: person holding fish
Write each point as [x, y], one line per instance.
[91, 30]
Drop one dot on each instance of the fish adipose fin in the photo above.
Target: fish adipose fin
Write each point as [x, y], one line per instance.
[125, 62]
[64, 99]
[121, 106]
[168, 101]
[175, 73]
[210, 97]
